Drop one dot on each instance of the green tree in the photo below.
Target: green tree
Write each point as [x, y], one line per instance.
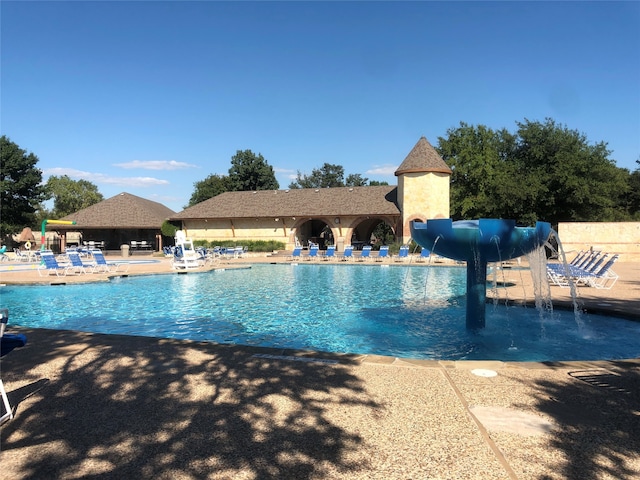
[633, 200]
[69, 195]
[208, 188]
[168, 229]
[355, 180]
[384, 234]
[250, 172]
[542, 172]
[21, 188]
[376, 183]
[570, 179]
[326, 176]
[484, 182]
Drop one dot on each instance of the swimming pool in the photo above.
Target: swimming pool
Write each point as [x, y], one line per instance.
[401, 311]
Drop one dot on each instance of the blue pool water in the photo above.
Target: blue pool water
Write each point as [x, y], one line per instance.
[406, 312]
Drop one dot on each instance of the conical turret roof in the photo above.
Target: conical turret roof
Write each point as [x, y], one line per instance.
[423, 158]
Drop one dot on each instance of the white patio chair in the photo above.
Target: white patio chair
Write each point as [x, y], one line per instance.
[9, 342]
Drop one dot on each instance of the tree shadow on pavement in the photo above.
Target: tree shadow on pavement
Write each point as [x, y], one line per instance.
[134, 407]
[597, 411]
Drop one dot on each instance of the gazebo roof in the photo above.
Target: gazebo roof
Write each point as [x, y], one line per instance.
[423, 158]
[337, 201]
[120, 211]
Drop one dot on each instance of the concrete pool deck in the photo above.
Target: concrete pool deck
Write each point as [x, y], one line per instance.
[111, 406]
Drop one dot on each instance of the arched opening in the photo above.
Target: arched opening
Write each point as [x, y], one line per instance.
[373, 231]
[314, 231]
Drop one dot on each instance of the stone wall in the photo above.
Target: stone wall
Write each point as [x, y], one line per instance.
[238, 229]
[265, 229]
[622, 238]
[422, 196]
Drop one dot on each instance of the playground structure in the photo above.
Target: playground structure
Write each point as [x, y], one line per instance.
[44, 228]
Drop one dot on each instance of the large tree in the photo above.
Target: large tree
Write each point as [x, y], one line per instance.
[542, 172]
[208, 188]
[633, 200]
[355, 180]
[21, 188]
[248, 172]
[576, 180]
[69, 195]
[328, 175]
[483, 183]
[251, 172]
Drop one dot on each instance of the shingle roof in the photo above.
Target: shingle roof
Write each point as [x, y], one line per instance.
[377, 200]
[423, 158]
[121, 211]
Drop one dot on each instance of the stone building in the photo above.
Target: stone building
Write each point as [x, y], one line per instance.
[340, 216]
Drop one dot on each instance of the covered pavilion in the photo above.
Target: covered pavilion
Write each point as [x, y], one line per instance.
[116, 221]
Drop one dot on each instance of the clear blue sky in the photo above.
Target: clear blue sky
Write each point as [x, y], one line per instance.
[149, 97]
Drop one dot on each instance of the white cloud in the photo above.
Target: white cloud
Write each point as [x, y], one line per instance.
[385, 170]
[287, 173]
[101, 178]
[283, 170]
[164, 198]
[155, 165]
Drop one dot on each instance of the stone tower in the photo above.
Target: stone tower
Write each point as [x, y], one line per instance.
[423, 187]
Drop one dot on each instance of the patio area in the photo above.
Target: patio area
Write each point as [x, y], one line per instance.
[109, 406]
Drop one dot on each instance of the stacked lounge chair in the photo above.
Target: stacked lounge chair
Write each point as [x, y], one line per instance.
[587, 268]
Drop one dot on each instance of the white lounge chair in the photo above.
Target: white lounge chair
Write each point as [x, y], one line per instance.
[593, 276]
[51, 265]
[76, 262]
[101, 265]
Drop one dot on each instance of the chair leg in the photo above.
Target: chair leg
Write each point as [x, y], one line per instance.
[7, 405]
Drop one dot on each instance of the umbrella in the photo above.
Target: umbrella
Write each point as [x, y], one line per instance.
[26, 235]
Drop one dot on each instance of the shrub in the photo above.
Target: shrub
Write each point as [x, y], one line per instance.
[394, 248]
[168, 229]
[252, 245]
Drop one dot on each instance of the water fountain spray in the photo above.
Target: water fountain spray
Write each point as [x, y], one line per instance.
[478, 242]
